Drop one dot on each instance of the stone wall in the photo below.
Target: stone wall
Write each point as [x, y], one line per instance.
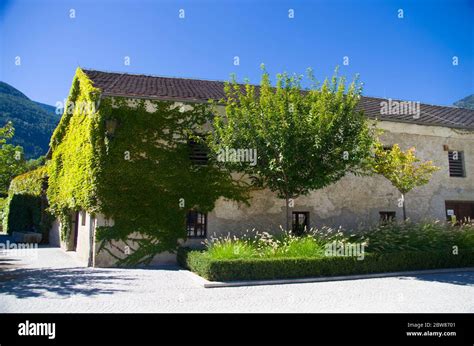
[104, 258]
[354, 201]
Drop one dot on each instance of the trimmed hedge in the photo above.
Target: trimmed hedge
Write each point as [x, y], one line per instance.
[285, 268]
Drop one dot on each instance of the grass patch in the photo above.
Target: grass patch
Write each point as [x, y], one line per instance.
[264, 245]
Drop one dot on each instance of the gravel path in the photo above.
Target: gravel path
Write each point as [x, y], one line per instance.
[55, 282]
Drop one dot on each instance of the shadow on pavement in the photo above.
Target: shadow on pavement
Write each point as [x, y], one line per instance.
[7, 263]
[36, 282]
[460, 278]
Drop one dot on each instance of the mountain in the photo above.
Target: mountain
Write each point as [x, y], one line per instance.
[47, 108]
[467, 102]
[34, 122]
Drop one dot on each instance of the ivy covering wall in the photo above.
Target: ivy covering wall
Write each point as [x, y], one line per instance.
[26, 208]
[138, 172]
[74, 163]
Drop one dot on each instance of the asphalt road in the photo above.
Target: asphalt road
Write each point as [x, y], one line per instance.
[50, 280]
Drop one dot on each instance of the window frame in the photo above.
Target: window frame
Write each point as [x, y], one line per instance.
[460, 158]
[456, 206]
[83, 215]
[295, 216]
[193, 222]
[390, 216]
[198, 152]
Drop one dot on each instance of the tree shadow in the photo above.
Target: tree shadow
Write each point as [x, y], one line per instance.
[38, 282]
[457, 278]
[7, 262]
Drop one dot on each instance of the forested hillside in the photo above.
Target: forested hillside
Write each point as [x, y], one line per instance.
[34, 122]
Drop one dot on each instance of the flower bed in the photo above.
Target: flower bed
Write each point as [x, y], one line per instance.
[387, 248]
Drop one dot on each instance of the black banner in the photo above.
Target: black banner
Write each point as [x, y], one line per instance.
[191, 329]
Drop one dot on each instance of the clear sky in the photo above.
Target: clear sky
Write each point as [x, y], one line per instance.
[409, 58]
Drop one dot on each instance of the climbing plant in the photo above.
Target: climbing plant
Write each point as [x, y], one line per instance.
[147, 181]
[74, 163]
[130, 161]
[26, 208]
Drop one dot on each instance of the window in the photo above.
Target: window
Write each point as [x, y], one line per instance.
[83, 218]
[387, 216]
[459, 211]
[196, 224]
[456, 163]
[197, 152]
[300, 222]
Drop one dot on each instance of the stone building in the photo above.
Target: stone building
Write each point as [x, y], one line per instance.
[444, 135]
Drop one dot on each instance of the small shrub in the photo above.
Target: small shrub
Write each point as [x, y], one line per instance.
[424, 236]
[306, 246]
[196, 261]
[227, 248]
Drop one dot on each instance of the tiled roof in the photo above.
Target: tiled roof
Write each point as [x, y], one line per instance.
[195, 90]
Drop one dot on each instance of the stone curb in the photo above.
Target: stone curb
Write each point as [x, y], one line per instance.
[216, 284]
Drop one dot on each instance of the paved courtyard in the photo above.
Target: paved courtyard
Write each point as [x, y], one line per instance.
[55, 282]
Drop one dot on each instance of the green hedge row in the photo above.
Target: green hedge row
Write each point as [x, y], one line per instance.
[284, 268]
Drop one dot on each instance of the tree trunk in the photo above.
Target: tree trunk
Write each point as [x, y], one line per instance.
[404, 210]
[287, 201]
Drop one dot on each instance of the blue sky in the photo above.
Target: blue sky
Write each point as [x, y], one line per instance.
[409, 58]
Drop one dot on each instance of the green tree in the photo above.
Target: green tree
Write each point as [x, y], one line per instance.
[402, 168]
[12, 160]
[304, 139]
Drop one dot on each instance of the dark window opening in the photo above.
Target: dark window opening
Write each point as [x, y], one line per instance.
[300, 222]
[456, 163]
[83, 218]
[75, 227]
[460, 211]
[387, 216]
[198, 152]
[196, 224]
